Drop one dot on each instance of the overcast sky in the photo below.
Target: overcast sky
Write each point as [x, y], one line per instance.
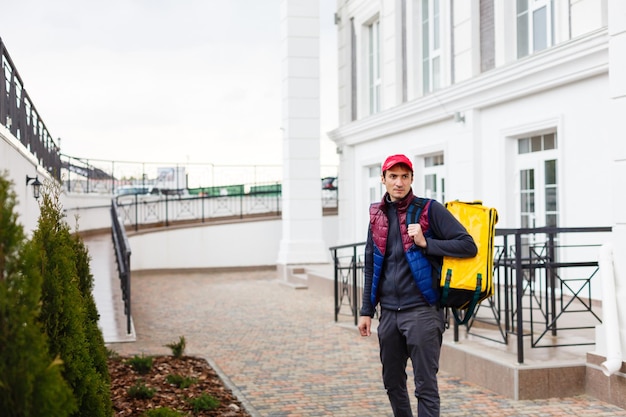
[162, 80]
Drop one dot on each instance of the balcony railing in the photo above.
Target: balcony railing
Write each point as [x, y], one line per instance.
[19, 115]
[544, 280]
[164, 210]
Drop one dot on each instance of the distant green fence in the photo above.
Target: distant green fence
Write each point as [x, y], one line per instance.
[217, 191]
[270, 189]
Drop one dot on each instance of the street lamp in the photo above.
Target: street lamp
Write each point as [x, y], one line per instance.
[36, 185]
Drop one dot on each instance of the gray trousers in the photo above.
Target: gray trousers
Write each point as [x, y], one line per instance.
[415, 334]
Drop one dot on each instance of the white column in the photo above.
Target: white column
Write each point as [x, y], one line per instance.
[302, 241]
[617, 80]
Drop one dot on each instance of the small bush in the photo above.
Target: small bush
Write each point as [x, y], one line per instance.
[180, 381]
[162, 412]
[112, 354]
[178, 348]
[205, 402]
[141, 391]
[142, 364]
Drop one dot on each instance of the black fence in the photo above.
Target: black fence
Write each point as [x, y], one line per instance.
[543, 279]
[137, 211]
[19, 115]
[122, 251]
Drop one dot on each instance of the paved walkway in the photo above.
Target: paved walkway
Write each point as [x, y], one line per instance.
[286, 357]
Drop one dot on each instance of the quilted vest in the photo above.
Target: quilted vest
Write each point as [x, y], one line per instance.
[409, 208]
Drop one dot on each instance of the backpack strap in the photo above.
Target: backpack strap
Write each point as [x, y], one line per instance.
[414, 211]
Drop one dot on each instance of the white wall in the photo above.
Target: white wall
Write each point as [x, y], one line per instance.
[18, 162]
[248, 243]
[583, 148]
[87, 211]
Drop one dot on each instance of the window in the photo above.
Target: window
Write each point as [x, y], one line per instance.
[375, 185]
[374, 66]
[551, 200]
[353, 72]
[433, 161]
[487, 35]
[536, 143]
[431, 45]
[527, 197]
[434, 181]
[538, 180]
[535, 28]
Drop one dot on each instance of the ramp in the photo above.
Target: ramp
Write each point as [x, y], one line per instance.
[107, 292]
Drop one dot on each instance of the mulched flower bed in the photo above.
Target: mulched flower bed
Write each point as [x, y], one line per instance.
[166, 394]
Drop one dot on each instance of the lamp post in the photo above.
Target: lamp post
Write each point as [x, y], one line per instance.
[36, 185]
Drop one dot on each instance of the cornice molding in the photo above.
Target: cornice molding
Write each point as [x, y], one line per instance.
[563, 64]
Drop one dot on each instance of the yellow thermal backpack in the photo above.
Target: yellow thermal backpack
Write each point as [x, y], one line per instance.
[465, 282]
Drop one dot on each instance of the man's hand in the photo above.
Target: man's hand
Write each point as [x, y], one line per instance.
[415, 231]
[365, 325]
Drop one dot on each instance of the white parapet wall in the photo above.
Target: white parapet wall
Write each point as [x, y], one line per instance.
[247, 243]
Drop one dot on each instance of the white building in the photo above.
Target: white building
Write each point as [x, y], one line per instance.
[515, 103]
[491, 103]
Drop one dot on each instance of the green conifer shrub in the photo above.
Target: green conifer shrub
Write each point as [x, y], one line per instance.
[162, 412]
[64, 312]
[141, 364]
[178, 348]
[205, 402]
[96, 346]
[141, 391]
[31, 382]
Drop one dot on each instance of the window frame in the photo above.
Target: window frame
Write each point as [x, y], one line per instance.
[431, 46]
[528, 26]
[374, 67]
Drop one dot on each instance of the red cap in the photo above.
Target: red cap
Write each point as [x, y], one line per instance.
[397, 159]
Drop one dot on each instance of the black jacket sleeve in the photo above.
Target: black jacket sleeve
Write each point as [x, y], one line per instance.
[450, 236]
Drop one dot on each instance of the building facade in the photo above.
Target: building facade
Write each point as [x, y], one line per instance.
[515, 103]
[505, 102]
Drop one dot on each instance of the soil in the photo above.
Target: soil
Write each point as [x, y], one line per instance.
[207, 382]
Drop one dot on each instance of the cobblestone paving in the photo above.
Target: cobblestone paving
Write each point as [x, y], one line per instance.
[284, 353]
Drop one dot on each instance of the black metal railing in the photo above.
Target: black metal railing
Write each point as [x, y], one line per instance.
[142, 211]
[19, 115]
[348, 277]
[122, 251]
[543, 286]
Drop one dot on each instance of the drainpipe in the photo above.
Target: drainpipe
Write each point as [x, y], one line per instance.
[610, 318]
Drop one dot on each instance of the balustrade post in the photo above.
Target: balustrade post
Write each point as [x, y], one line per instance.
[336, 284]
[202, 196]
[136, 212]
[519, 280]
[355, 302]
[552, 281]
[508, 317]
[167, 218]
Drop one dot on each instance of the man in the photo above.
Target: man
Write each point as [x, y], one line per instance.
[403, 258]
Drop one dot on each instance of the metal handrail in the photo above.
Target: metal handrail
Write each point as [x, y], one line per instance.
[349, 285]
[19, 115]
[122, 251]
[526, 277]
[147, 211]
